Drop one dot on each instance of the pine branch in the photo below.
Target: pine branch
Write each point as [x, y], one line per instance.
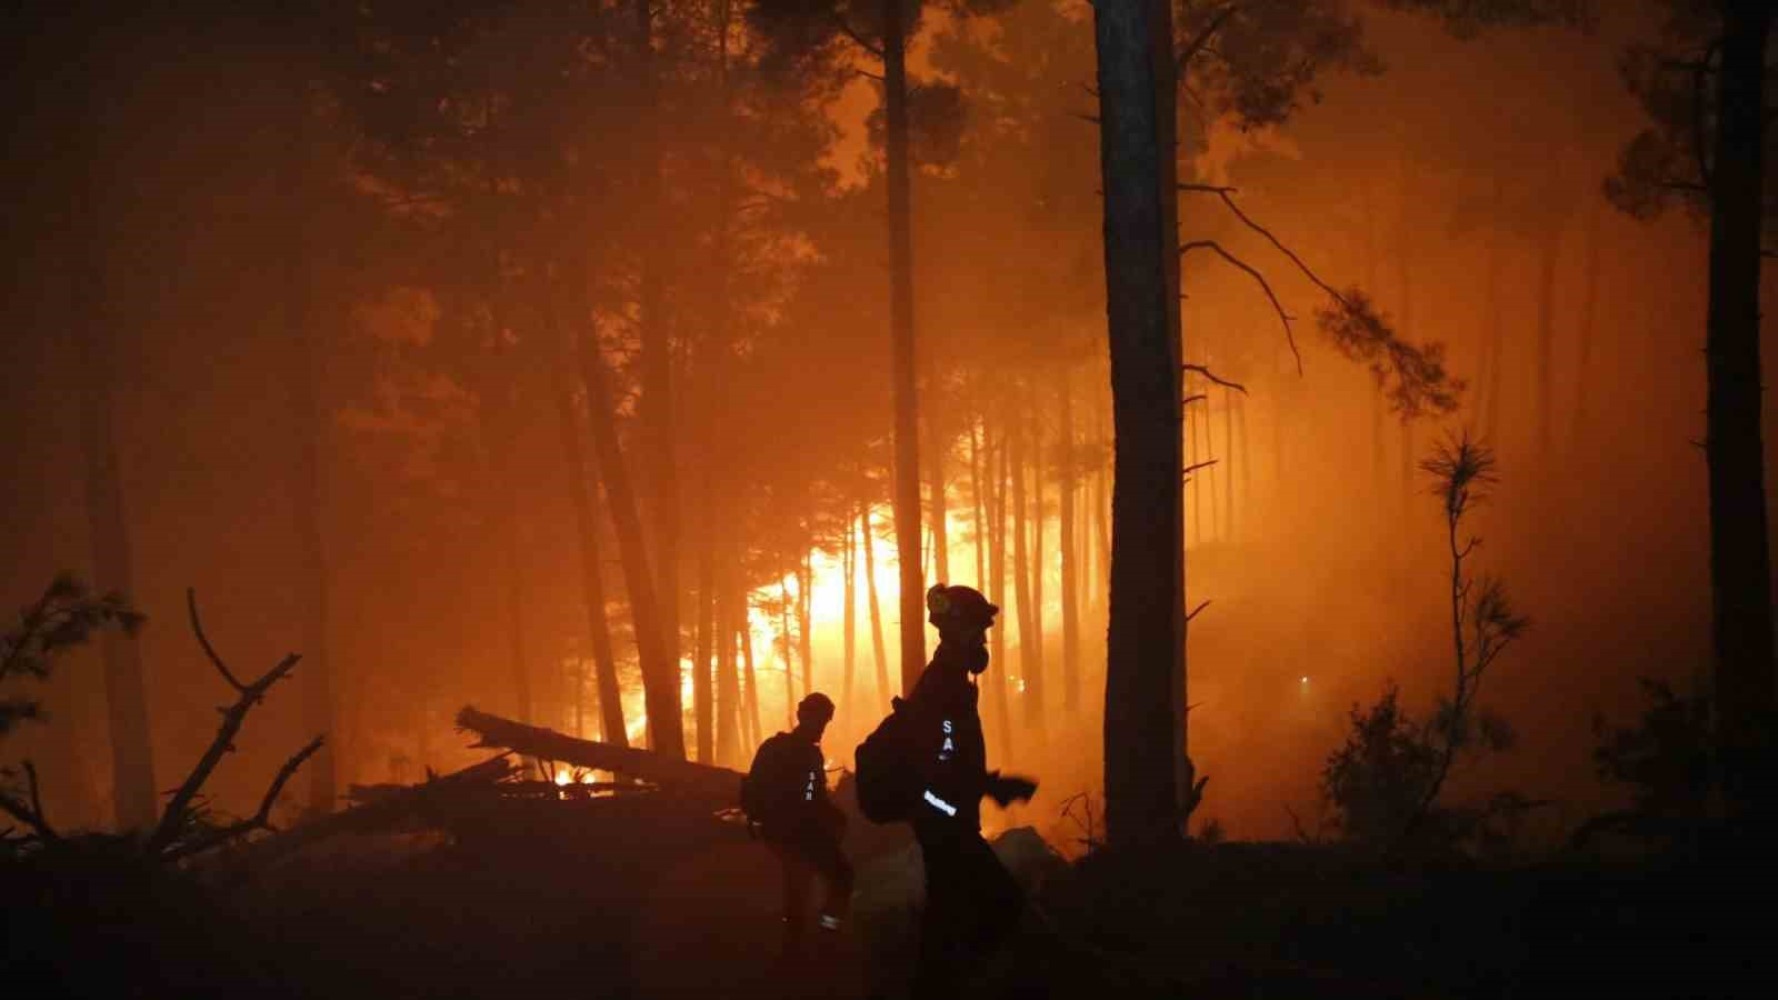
[1266, 286]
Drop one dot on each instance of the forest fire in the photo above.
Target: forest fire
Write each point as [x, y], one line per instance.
[1018, 497]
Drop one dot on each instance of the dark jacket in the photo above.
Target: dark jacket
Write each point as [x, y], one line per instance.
[956, 756]
[790, 779]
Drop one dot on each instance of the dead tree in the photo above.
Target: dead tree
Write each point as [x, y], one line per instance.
[182, 830]
[185, 828]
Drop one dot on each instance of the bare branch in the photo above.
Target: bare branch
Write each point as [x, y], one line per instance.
[1193, 613]
[174, 819]
[1196, 45]
[1196, 397]
[260, 820]
[33, 788]
[1208, 188]
[1195, 466]
[197, 628]
[1278, 244]
[845, 28]
[866, 73]
[1212, 376]
[1266, 286]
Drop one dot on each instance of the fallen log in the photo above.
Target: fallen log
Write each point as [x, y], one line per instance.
[705, 785]
[387, 808]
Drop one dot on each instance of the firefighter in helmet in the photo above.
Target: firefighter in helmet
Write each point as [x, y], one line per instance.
[785, 798]
[972, 901]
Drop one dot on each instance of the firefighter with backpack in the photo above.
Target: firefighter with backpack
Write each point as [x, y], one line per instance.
[926, 764]
[785, 798]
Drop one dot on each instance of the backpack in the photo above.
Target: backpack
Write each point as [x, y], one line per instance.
[762, 787]
[888, 775]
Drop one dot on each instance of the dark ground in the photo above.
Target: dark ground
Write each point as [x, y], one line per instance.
[647, 904]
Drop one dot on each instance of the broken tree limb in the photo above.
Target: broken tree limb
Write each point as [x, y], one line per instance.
[261, 820]
[716, 787]
[175, 819]
[387, 808]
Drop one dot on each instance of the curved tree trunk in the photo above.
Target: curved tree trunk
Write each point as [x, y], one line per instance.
[660, 673]
[655, 405]
[586, 523]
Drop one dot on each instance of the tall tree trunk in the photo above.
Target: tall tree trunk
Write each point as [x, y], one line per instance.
[1368, 267]
[1065, 468]
[784, 637]
[1228, 457]
[1404, 256]
[1740, 562]
[978, 507]
[731, 620]
[1001, 710]
[309, 485]
[1034, 687]
[702, 689]
[941, 544]
[586, 524]
[876, 609]
[655, 406]
[1103, 516]
[805, 619]
[1145, 652]
[755, 729]
[979, 516]
[1239, 401]
[505, 443]
[1021, 565]
[1194, 492]
[901, 334]
[1493, 331]
[660, 673]
[126, 696]
[849, 618]
[1589, 315]
[1547, 263]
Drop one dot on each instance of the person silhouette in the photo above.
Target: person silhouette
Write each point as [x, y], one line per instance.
[972, 901]
[785, 797]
